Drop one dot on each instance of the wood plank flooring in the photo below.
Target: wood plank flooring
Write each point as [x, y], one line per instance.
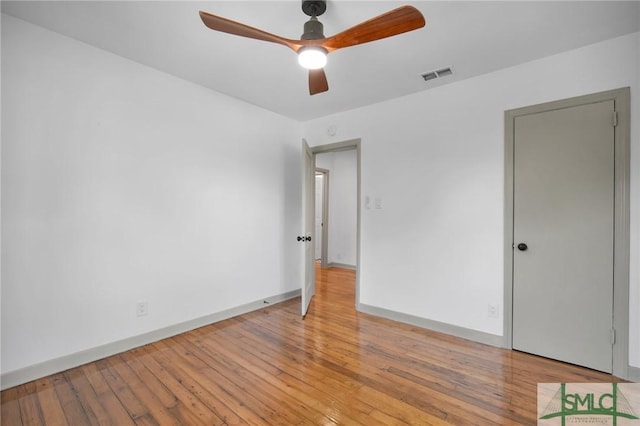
[270, 367]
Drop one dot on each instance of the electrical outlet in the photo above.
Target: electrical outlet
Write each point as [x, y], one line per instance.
[142, 309]
[492, 311]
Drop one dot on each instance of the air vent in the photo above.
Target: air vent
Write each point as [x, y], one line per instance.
[431, 75]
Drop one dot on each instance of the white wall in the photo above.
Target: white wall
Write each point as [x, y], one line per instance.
[343, 205]
[123, 184]
[436, 160]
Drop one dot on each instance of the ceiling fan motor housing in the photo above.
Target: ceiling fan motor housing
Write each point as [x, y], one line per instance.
[313, 30]
[314, 7]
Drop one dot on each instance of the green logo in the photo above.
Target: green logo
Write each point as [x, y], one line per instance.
[588, 402]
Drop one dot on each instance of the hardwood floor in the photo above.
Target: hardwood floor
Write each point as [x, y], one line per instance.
[336, 367]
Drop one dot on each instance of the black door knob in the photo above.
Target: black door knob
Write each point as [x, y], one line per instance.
[309, 238]
[300, 238]
[522, 247]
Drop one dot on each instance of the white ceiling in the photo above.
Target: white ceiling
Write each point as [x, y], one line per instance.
[471, 37]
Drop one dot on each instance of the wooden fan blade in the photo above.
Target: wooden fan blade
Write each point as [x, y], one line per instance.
[228, 26]
[397, 21]
[317, 81]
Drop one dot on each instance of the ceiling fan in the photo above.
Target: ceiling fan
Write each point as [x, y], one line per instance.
[313, 46]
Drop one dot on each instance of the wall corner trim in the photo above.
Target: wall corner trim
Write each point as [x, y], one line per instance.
[633, 374]
[43, 369]
[440, 327]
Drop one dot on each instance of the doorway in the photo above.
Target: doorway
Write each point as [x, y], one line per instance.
[309, 262]
[342, 206]
[567, 230]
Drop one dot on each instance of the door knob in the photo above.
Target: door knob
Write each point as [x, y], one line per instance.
[522, 247]
[308, 238]
[300, 238]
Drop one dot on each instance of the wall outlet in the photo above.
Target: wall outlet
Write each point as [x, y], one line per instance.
[142, 309]
[492, 310]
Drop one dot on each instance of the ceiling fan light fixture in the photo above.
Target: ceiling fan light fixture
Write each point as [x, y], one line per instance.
[312, 57]
[313, 47]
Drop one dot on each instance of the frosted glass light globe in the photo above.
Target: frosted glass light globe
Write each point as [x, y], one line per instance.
[312, 58]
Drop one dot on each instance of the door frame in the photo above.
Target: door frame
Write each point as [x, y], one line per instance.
[324, 247]
[349, 145]
[621, 98]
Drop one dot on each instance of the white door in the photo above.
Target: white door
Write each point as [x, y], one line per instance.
[563, 234]
[308, 221]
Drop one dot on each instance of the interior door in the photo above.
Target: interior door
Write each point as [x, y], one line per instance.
[563, 234]
[308, 221]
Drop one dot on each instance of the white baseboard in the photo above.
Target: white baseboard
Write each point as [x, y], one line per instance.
[454, 330]
[46, 368]
[633, 373]
[341, 265]
[33, 372]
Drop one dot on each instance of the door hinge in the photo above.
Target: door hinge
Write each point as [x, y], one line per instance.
[613, 336]
[615, 118]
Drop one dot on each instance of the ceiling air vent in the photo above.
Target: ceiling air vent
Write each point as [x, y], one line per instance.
[436, 74]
